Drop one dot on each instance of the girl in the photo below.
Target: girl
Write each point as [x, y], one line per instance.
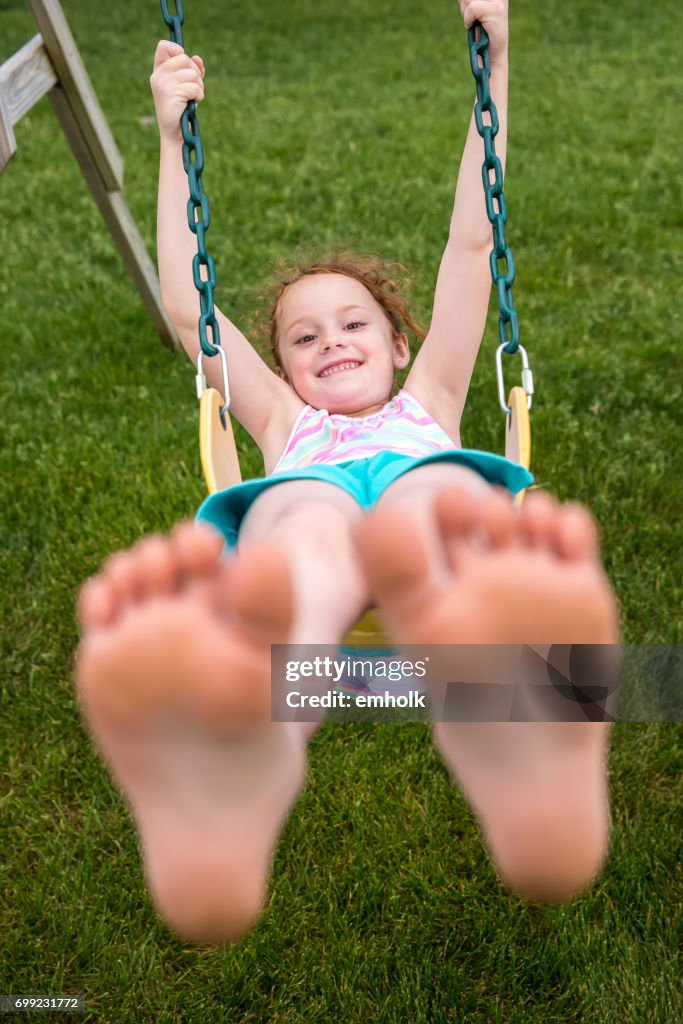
[366, 499]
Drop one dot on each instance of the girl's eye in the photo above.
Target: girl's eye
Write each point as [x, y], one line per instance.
[354, 324]
[304, 338]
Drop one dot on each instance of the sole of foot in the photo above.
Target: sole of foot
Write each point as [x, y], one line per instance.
[173, 676]
[530, 577]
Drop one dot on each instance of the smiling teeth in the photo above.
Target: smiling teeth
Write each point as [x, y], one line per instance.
[339, 366]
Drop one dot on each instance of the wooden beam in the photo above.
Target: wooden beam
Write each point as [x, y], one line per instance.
[24, 79]
[73, 79]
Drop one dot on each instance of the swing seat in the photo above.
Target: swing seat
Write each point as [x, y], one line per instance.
[518, 433]
[217, 448]
[221, 469]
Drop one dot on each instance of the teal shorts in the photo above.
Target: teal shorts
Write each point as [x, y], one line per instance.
[364, 479]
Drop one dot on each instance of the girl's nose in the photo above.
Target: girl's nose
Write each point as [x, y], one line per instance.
[332, 339]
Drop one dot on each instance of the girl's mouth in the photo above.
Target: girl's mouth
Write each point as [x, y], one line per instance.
[349, 364]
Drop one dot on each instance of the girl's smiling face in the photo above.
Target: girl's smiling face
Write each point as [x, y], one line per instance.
[337, 346]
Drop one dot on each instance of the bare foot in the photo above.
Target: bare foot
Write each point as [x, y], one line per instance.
[173, 674]
[534, 577]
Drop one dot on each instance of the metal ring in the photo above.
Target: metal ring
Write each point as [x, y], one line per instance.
[527, 378]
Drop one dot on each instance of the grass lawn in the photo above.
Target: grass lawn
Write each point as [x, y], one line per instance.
[335, 121]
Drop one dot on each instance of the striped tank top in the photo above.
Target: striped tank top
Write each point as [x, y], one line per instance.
[402, 426]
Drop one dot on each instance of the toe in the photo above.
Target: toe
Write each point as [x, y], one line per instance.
[457, 510]
[396, 561]
[157, 565]
[498, 518]
[537, 519]
[96, 604]
[568, 531]
[123, 578]
[198, 548]
[576, 535]
[257, 590]
[470, 522]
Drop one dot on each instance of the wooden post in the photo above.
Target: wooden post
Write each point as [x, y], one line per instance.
[50, 63]
[78, 91]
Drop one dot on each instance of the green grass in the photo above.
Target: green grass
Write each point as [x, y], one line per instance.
[343, 121]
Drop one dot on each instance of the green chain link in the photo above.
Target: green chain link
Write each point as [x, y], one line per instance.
[501, 261]
[198, 217]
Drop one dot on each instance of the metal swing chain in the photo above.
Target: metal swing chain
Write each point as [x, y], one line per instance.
[501, 261]
[198, 219]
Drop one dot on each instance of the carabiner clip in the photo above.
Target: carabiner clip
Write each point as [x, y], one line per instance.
[200, 379]
[527, 378]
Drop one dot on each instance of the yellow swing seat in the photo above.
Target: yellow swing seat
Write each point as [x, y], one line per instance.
[221, 469]
[217, 448]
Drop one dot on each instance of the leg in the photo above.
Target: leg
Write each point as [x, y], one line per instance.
[538, 789]
[311, 523]
[173, 675]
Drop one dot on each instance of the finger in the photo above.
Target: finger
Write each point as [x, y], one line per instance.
[189, 75]
[470, 16]
[179, 62]
[165, 49]
[199, 62]
[489, 12]
[191, 91]
[476, 10]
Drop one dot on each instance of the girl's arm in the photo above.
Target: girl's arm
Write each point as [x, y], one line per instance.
[442, 369]
[258, 397]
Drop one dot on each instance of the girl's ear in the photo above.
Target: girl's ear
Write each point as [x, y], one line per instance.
[401, 352]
